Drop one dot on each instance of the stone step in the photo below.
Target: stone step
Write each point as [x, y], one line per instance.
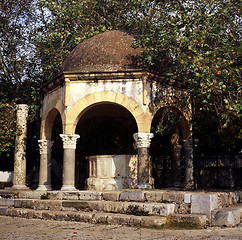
[91, 217]
[163, 209]
[188, 220]
[227, 217]
[185, 202]
[173, 221]
[224, 199]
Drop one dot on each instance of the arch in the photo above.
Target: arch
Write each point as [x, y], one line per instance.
[182, 123]
[184, 110]
[48, 116]
[85, 103]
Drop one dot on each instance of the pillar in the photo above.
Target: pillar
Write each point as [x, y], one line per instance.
[45, 165]
[189, 177]
[176, 165]
[19, 177]
[69, 146]
[142, 141]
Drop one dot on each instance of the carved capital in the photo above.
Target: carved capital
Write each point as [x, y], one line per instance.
[69, 140]
[143, 140]
[45, 146]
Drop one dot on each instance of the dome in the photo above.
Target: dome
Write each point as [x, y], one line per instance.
[108, 51]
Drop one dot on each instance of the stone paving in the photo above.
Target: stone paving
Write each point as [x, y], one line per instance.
[26, 229]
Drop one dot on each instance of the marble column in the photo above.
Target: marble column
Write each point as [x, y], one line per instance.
[189, 178]
[69, 146]
[176, 165]
[45, 165]
[19, 177]
[142, 141]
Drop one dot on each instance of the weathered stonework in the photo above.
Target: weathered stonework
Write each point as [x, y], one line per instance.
[45, 164]
[142, 141]
[176, 165]
[19, 177]
[111, 172]
[69, 145]
[189, 178]
[69, 140]
[110, 77]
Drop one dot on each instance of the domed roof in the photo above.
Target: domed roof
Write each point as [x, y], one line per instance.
[106, 51]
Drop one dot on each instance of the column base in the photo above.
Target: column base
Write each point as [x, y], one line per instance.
[20, 187]
[144, 186]
[68, 188]
[44, 188]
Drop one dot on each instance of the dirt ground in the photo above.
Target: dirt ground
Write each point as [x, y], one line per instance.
[26, 229]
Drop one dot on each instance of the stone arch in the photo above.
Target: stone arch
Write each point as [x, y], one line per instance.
[167, 150]
[184, 111]
[48, 117]
[85, 103]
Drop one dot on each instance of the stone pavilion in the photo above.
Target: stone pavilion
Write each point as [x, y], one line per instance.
[101, 85]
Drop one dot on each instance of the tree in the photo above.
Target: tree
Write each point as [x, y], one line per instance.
[197, 45]
[193, 44]
[19, 71]
[63, 24]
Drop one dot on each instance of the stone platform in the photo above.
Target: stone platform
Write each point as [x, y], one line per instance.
[162, 206]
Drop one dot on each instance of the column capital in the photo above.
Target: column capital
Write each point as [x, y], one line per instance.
[45, 146]
[143, 140]
[69, 140]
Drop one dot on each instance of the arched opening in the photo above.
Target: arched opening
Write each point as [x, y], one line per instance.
[104, 129]
[169, 128]
[54, 122]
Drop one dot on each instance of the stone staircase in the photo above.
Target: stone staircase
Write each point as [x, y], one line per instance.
[151, 208]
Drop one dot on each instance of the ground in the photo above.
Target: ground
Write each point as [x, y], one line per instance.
[26, 229]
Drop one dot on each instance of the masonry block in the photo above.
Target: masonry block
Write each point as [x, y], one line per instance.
[154, 196]
[227, 217]
[137, 196]
[23, 203]
[54, 205]
[153, 221]
[175, 197]
[89, 195]
[197, 220]
[6, 202]
[3, 211]
[110, 196]
[202, 203]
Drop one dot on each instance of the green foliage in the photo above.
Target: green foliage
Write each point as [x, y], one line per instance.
[197, 46]
[135, 210]
[45, 196]
[167, 121]
[19, 73]
[8, 128]
[63, 24]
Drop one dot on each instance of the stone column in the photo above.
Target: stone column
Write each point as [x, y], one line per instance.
[189, 178]
[143, 141]
[45, 165]
[19, 177]
[176, 165]
[69, 146]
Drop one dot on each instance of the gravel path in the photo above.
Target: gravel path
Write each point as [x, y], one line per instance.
[26, 229]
